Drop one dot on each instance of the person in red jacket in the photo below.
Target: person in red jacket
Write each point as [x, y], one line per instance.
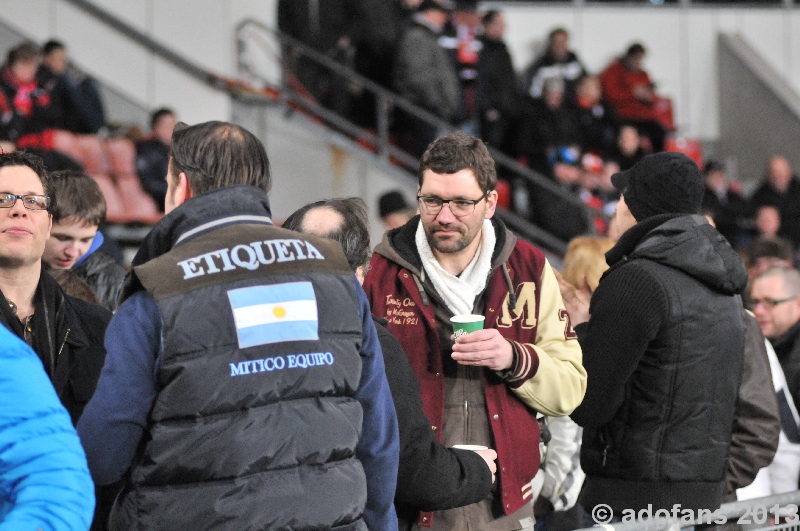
[486, 387]
[630, 92]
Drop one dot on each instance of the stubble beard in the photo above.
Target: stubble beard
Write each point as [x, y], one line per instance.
[446, 246]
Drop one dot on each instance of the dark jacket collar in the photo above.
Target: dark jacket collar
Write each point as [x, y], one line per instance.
[52, 324]
[631, 238]
[198, 215]
[786, 341]
[687, 243]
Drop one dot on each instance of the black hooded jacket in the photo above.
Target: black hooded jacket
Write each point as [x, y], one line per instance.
[663, 350]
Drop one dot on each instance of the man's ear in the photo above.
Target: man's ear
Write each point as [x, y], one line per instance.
[491, 204]
[183, 191]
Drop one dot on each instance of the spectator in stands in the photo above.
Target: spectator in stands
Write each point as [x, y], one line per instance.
[171, 341]
[40, 121]
[330, 27]
[559, 62]
[628, 149]
[152, 155]
[424, 74]
[598, 123]
[394, 210]
[724, 202]
[74, 239]
[630, 92]
[73, 93]
[498, 96]
[550, 136]
[766, 253]
[44, 481]
[663, 318]
[460, 37]
[431, 477]
[781, 188]
[487, 386]
[66, 333]
[767, 221]
[382, 24]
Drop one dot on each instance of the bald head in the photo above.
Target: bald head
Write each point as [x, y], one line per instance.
[779, 173]
[321, 221]
[343, 220]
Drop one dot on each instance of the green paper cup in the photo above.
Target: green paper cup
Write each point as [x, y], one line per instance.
[464, 324]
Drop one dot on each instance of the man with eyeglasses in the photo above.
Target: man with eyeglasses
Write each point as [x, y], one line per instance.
[65, 332]
[486, 387]
[775, 301]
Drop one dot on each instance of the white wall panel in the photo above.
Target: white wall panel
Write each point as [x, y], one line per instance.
[110, 57]
[31, 17]
[765, 30]
[137, 13]
[193, 101]
[200, 30]
[700, 86]
[794, 49]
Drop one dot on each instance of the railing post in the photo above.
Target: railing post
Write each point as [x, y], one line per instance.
[382, 114]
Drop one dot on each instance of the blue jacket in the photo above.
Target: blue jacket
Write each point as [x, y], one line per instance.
[44, 480]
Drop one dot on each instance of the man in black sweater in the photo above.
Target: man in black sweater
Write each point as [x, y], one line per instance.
[431, 477]
[663, 349]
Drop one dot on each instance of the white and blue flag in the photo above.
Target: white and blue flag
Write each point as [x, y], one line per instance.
[272, 314]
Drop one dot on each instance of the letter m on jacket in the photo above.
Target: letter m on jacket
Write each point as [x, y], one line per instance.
[525, 308]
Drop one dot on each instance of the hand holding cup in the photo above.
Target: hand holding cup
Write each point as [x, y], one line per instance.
[478, 347]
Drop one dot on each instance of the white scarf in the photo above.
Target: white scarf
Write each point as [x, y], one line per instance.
[459, 292]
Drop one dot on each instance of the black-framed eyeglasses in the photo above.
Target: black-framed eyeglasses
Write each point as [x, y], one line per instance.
[432, 205]
[31, 201]
[770, 303]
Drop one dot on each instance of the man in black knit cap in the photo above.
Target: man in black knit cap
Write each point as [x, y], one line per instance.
[663, 349]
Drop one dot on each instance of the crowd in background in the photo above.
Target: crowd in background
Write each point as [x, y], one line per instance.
[571, 125]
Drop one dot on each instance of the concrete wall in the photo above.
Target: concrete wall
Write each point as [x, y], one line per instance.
[752, 93]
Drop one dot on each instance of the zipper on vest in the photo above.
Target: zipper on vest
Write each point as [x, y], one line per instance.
[61, 348]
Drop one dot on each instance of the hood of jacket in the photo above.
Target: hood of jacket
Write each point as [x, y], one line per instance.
[686, 243]
[399, 245]
[200, 214]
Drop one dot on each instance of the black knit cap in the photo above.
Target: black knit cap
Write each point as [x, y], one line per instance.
[439, 5]
[391, 202]
[661, 183]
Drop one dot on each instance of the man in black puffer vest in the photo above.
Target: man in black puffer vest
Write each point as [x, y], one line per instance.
[243, 362]
[663, 349]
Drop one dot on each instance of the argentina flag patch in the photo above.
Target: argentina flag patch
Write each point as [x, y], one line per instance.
[274, 314]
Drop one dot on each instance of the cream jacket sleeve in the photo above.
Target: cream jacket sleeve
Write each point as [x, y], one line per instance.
[549, 375]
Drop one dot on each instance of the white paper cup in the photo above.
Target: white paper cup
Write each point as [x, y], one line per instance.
[473, 447]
